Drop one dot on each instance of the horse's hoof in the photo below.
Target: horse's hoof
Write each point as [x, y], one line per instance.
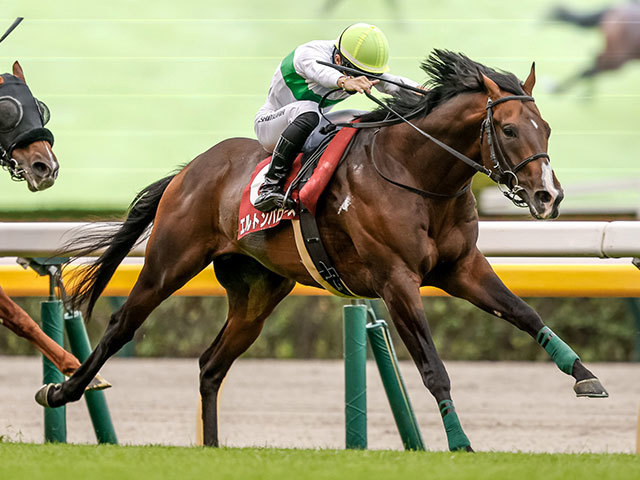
[42, 395]
[98, 383]
[469, 449]
[591, 387]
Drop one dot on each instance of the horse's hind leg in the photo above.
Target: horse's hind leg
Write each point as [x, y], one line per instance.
[474, 280]
[170, 262]
[19, 322]
[253, 292]
[401, 295]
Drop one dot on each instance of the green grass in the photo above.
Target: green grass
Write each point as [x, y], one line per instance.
[31, 462]
[136, 89]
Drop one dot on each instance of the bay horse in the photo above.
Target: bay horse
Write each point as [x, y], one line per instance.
[386, 239]
[620, 25]
[26, 153]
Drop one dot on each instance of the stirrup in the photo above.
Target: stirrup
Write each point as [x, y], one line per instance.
[269, 201]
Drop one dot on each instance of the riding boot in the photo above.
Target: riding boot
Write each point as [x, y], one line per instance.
[271, 192]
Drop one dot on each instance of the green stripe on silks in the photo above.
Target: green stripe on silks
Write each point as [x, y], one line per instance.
[455, 435]
[298, 85]
[560, 352]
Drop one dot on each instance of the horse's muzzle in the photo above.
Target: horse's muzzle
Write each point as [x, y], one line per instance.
[41, 175]
[543, 205]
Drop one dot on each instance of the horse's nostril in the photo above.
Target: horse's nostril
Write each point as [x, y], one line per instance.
[542, 197]
[41, 169]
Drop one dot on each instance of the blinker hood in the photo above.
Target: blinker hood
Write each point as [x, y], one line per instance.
[22, 121]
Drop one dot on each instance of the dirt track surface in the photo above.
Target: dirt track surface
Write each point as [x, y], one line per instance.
[502, 406]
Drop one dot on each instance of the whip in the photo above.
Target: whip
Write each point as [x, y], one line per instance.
[15, 23]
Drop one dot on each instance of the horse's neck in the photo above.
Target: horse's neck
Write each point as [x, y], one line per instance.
[457, 124]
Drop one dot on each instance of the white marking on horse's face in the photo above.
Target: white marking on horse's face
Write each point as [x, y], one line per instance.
[547, 180]
[547, 184]
[534, 123]
[345, 205]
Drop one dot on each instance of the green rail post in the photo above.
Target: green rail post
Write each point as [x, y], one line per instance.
[634, 307]
[55, 421]
[96, 401]
[355, 376]
[385, 355]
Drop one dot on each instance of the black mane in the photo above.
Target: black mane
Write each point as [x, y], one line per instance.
[450, 74]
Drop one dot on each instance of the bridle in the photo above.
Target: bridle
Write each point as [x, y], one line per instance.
[10, 164]
[507, 178]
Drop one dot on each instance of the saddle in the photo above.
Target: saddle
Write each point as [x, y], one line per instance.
[310, 174]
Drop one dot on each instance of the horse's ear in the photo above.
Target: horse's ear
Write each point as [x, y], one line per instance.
[492, 88]
[17, 71]
[530, 81]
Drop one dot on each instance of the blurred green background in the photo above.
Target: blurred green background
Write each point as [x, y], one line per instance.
[138, 88]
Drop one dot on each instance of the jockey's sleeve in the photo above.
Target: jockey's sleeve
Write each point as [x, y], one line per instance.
[391, 89]
[304, 61]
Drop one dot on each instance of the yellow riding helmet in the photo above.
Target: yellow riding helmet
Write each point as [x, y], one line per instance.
[365, 46]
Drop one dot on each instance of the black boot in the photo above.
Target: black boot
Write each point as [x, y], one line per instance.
[271, 192]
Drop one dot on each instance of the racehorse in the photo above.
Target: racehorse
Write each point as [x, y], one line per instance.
[26, 153]
[397, 215]
[620, 25]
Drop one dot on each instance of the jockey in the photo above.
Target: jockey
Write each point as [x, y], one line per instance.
[290, 113]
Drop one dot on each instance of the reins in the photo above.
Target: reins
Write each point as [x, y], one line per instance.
[507, 178]
[419, 191]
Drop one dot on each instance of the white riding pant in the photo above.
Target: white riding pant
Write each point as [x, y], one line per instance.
[270, 123]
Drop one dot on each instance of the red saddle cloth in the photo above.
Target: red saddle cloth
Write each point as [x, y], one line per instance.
[252, 220]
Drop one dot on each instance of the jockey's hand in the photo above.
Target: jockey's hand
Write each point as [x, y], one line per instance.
[356, 84]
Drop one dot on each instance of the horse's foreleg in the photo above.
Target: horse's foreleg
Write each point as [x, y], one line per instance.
[401, 295]
[253, 292]
[19, 322]
[474, 280]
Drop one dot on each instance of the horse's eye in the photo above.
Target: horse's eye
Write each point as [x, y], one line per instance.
[510, 132]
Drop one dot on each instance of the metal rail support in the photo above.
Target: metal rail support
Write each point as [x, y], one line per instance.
[53, 323]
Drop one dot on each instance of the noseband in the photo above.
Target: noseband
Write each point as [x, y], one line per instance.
[508, 178]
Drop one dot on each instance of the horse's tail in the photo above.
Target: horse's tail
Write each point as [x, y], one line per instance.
[117, 240]
[591, 19]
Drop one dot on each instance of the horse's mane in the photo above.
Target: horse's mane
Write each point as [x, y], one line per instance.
[450, 74]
